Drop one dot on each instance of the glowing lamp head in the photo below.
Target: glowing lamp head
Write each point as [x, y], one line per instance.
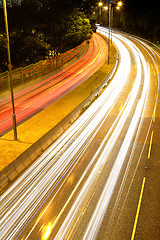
[106, 8]
[100, 4]
[119, 4]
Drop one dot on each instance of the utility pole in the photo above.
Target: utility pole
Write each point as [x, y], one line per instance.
[10, 71]
[110, 19]
[109, 35]
[111, 23]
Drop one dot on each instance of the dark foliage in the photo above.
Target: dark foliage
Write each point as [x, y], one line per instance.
[138, 17]
[39, 26]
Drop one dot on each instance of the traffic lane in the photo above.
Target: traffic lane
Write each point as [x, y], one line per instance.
[149, 219]
[152, 111]
[139, 187]
[122, 138]
[98, 139]
[36, 91]
[88, 58]
[34, 101]
[81, 220]
[28, 89]
[56, 207]
[54, 212]
[120, 217]
[97, 102]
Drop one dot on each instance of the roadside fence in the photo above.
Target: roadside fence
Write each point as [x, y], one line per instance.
[25, 74]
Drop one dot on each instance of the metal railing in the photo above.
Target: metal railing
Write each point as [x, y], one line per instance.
[33, 71]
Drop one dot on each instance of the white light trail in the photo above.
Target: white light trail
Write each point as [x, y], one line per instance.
[21, 201]
[97, 217]
[102, 205]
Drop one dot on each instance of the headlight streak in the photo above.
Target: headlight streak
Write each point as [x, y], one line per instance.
[101, 207]
[19, 207]
[63, 154]
[44, 180]
[54, 87]
[109, 227]
[155, 61]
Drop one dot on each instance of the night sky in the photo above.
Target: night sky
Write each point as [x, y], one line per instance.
[142, 6]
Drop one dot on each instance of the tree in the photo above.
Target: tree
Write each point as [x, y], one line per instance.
[3, 53]
[35, 25]
[78, 30]
[27, 47]
[69, 32]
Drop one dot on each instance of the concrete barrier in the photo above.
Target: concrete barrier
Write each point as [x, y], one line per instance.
[4, 180]
[10, 172]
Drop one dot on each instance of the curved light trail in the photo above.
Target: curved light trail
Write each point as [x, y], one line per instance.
[30, 100]
[75, 165]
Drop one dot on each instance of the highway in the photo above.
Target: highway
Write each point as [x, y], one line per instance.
[34, 98]
[100, 179]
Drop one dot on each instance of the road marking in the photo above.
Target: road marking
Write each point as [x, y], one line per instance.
[120, 107]
[150, 145]
[154, 116]
[138, 209]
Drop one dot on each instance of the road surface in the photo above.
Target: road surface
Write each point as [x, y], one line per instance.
[100, 179]
[36, 97]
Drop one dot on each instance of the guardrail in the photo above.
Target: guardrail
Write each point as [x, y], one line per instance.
[33, 71]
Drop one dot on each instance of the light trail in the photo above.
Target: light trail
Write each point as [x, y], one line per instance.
[36, 97]
[98, 111]
[45, 178]
[102, 205]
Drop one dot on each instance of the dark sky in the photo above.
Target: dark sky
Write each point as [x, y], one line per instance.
[142, 6]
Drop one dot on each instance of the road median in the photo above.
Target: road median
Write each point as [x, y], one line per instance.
[39, 132]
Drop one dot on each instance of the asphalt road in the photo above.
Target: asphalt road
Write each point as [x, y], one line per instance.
[29, 100]
[100, 179]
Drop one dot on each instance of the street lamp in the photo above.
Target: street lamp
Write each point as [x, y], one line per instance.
[110, 17]
[10, 72]
[100, 4]
[119, 4]
[105, 8]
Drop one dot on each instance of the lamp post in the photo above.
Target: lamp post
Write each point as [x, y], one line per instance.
[110, 18]
[109, 35]
[119, 4]
[10, 71]
[100, 4]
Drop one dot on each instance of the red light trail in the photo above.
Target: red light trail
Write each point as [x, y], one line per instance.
[36, 97]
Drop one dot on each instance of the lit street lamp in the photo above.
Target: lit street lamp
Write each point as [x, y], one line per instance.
[100, 4]
[10, 72]
[110, 17]
[119, 4]
[105, 8]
